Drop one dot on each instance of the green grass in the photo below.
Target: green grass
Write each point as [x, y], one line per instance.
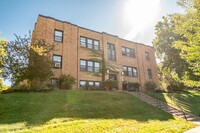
[189, 96]
[83, 111]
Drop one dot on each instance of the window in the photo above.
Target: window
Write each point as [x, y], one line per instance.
[83, 65]
[57, 59]
[90, 66]
[130, 71]
[149, 74]
[89, 85]
[54, 81]
[83, 85]
[83, 42]
[125, 71]
[96, 66]
[89, 43]
[58, 36]
[111, 52]
[128, 52]
[147, 55]
[113, 76]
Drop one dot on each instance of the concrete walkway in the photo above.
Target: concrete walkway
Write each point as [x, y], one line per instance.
[193, 130]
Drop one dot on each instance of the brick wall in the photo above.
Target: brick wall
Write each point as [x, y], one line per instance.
[71, 52]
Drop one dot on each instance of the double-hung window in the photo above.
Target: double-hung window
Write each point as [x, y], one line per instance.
[89, 43]
[128, 52]
[89, 66]
[111, 52]
[149, 74]
[130, 71]
[147, 56]
[57, 60]
[58, 36]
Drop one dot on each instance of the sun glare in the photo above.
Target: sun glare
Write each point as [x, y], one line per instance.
[137, 15]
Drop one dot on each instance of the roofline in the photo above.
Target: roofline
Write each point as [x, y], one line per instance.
[93, 30]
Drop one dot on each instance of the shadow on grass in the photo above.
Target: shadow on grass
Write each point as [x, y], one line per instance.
[38, 108]
[192, 97]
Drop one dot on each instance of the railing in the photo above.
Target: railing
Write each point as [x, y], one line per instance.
[175, 105]
[185, 106]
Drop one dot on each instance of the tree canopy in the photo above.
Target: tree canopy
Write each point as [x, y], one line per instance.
[178, 44]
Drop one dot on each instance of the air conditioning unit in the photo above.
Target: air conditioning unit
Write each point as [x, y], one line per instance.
[57, 65]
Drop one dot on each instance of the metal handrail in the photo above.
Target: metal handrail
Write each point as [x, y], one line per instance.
[186, 105]
[176, 105]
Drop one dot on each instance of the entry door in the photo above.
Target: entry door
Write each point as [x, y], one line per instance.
[113, 77]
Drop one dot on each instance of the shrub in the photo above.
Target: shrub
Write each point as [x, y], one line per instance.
[150, 86]
[66, 82]
[110, 84]
[131, 85]
[20, 87]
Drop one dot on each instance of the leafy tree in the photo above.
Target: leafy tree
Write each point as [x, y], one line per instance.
[172, 60]
[188, 25]
[3, 44]
[27, 60]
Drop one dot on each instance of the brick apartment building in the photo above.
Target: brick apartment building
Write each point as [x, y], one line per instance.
[137, 61]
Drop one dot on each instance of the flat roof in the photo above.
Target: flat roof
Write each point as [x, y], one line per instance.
[94, 30]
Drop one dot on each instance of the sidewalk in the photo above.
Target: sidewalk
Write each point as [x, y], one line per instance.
[193, 130]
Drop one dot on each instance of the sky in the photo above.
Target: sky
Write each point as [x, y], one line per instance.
[133, 20]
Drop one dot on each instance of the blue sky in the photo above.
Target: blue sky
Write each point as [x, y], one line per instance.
[130, 19]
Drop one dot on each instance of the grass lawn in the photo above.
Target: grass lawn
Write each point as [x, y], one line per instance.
[189, 96]
[83, 111]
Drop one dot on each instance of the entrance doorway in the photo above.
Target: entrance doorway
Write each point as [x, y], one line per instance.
[113, 77]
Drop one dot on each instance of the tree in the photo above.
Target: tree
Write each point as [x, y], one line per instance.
[27, 60]
[3, 44]
[98, 55]
[171, 56]
[188, 25]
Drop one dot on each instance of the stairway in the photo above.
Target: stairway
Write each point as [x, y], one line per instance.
[166, 107]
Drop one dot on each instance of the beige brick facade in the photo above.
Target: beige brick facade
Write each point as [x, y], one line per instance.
[72, 52]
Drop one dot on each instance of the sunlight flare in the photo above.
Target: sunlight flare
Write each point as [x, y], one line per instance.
[137, 15]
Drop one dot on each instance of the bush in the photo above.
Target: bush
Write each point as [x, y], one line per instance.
[160, 91]
[24, 88]
[19, 87]
[66, 82]
[110, 84]
[131, 85]
[150, 86]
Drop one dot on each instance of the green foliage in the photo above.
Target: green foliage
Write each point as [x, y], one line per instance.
[110, 83]
[151, 86]
[27, 60]
[188, 25]
[3, 44]
[177, 45]
[66, 82]
[133, 85]
[98, 55]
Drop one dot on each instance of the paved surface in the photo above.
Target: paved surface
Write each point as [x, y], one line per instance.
[193, 130]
